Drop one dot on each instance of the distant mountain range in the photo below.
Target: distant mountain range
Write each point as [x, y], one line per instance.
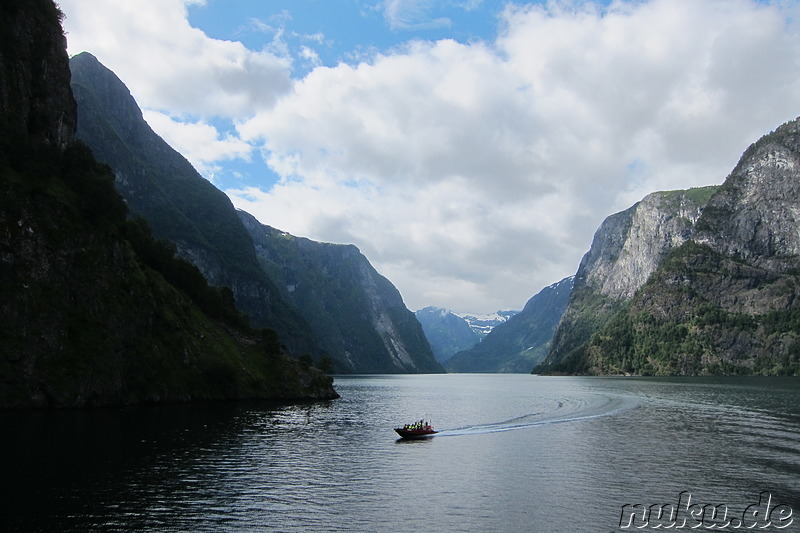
[483, 324]
[506, 341]
[323, 300]
[521, 342]
[449, 332]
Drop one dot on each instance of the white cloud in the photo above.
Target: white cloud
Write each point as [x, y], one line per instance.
[169, 65]
[310, 56]
[474, 175]
[412, 14]
[199, 142]
[178, 75]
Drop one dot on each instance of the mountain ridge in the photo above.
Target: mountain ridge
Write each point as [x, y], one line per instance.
[446, 331]
[161, 186]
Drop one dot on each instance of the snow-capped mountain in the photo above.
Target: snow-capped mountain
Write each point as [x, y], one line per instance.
[450, 332]
[521, 342]
[483, 324]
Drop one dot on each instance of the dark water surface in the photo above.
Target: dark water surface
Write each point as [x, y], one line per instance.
[515, 453]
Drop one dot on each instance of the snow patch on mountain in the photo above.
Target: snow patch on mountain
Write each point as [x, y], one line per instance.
[482, 324]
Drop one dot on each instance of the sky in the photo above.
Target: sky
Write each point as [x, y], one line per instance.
[469, 148]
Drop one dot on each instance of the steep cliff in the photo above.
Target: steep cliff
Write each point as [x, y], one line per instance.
[358, 316]
[35, 99]
[626, 249]
[723, 302]
[181, 206]
[755, 215]
[93, 311]
[521, 342]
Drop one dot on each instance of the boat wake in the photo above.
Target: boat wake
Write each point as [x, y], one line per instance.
[559, 412]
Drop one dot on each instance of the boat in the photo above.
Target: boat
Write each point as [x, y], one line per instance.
[417, 430]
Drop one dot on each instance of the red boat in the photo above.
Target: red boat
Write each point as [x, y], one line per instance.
[417, 430]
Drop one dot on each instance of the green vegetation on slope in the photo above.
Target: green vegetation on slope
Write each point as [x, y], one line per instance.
[588, 312]
[680, 323]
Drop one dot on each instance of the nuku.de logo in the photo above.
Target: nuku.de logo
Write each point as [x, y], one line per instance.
[687, 515]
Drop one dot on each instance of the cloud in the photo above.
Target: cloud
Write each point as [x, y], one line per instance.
[199, 142]
[169, 65]
[472, 175]
[412, 15]
[179, 76]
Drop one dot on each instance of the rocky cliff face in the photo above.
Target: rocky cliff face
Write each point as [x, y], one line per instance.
[724, 301]
[358, 316]
[92, 312]
[627, 248]
[755, 216]
[161, 186]
[35, 99]
[521, 342]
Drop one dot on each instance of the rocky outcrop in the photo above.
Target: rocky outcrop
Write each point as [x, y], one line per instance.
[755, 216]
[35, 98]
[358, 316]
[521, 342]
[725, 301]
[629, 246]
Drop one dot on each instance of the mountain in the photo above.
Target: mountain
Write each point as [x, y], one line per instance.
[93, 310]
[446, 331]
[161, 186]
[713, 278]
[482, 324]
[358, 316]
[626, 249]
[521, 342]
[343, 310]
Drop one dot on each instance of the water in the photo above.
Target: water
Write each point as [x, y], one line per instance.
[515, 453]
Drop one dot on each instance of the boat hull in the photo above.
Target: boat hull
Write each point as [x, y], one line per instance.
[415, 433]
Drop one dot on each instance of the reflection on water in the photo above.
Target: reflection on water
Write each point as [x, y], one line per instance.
[514, 453]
